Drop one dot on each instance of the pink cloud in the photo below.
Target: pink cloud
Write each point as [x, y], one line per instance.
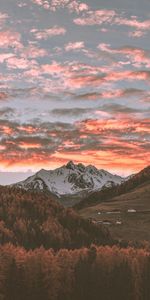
[32, 73]
[47, 33]
[10, 39]
[136, 56]
[104, 47]
[19, 63]
[3, 18]
[77, 7]
[97, 17]
[53, 68]
[55, 4]
[74, 46]
[112, 17]
[38, 2]
[136, 34]
[139, 25]
[79, 81]
[71, 5]
[33, 52]
[128, 75]
[75, 75]
[5, 56]
[111, 94]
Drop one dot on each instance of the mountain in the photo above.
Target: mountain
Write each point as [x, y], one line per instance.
[71, 182]
[35, 219]
[107, 193]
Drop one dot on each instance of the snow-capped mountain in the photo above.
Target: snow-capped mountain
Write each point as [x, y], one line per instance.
[71, 180]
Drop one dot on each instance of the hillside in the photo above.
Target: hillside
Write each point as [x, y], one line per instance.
[127, 215]
[70, 183]
[32, 219]
[107, 194]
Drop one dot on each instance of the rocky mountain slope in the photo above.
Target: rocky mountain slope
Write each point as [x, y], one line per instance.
[70, 182]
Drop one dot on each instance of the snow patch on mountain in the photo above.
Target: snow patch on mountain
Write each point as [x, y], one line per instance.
[70, 179]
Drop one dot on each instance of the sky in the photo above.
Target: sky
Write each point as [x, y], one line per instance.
[74, 84]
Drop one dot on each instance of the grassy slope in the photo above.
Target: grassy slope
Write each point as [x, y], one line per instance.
[135, 226]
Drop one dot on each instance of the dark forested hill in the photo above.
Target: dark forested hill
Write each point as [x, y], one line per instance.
[106, 194]
[32, 219]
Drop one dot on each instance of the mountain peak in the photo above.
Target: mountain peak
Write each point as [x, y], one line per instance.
[70, 165]
[41, 170]
[70, 179]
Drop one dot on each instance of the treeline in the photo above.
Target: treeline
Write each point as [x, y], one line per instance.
[97, 273]
[107, 193]
[31, 220]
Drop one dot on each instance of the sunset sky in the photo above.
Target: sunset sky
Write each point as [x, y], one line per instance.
[74, 84]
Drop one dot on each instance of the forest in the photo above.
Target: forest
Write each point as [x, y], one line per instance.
[32, 219]
[97, 273]
[48, 252]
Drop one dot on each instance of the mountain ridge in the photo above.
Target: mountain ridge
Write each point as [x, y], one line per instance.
[70, 180]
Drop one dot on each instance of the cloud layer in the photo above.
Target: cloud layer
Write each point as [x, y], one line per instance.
[74, 84]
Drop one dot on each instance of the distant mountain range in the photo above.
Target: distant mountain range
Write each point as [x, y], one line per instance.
[71, 182]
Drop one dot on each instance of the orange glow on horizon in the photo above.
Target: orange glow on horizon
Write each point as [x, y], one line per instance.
[108, 160]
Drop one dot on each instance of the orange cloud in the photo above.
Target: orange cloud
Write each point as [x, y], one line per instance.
[124, 125]
[25, 145]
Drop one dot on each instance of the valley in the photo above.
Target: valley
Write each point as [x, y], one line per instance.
[127, 216]
[120, 204]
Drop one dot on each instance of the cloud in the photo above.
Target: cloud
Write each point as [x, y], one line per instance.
[133, 22]
[10, 39]
[3, 18]
[106, 142]
[118, 126]
[33, 51]
[71, 5]
[7, 112]
[114, 108]
[112, 94]
[76, 6]
[136, 33]
[74, 76]
[48, 33]
[70, 111]
[135, 56]
[54, 68]
[74, 46]
[97, 17]
[19, 63]
[22, 4]
[112, 17]
[3, 96]
[80, 81]
[5, 56]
